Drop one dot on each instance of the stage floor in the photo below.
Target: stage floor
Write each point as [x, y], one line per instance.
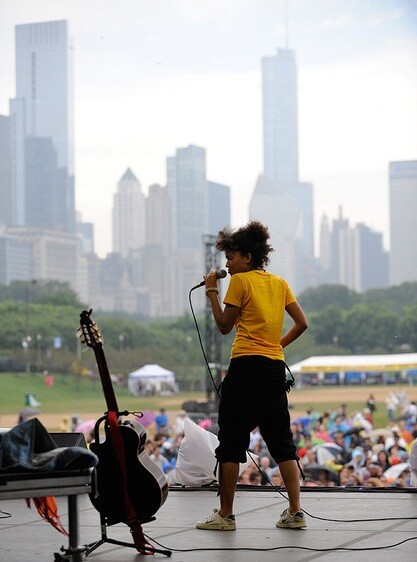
[25, 537]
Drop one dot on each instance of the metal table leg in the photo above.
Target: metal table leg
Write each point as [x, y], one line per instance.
[74, 553]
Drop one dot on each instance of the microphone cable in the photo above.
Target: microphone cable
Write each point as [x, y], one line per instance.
[201, 341]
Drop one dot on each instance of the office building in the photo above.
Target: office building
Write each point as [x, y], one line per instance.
[42, 128]
[15, 259]
[352, 256]
[158, 258]
[374, 259]
[85, 231]
[280, 121]
[403, 221]
[218, 206]
[129, 227]
[187, 190]
[44, 255]
[158, 218]
[325, 246]
[279, 199]
[5, 172]
[340, 225]
[363, 262]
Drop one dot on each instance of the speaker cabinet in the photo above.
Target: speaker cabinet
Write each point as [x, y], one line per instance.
[69, 439]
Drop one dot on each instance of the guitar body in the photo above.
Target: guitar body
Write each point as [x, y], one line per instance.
[146, 483]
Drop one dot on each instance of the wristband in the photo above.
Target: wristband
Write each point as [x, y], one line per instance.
[212, 290]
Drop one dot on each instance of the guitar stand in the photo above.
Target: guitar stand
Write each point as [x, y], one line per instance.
[105, 539]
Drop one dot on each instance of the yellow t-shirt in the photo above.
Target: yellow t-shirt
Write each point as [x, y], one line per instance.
[262, 298]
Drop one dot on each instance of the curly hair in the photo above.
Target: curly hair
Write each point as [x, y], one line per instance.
[250, 239]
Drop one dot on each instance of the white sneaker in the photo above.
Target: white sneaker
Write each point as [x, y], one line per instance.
[289, 521]
[216, 522]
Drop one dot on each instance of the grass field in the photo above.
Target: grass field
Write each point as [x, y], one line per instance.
[84, 397]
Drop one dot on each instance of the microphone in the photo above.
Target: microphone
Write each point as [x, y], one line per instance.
[219, 275]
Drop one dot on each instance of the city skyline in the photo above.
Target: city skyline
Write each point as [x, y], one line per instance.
[357, 88]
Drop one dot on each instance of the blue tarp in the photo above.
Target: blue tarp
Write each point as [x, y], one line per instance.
[353, 376]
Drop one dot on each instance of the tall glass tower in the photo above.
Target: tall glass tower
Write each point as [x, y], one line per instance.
[279, 199]
[403, 223]
[280, 127]
[187, 192]
[187, 188]
[42, 128]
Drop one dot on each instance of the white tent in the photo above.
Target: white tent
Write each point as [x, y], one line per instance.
[152, 379]
[329, 363]
[357, 368]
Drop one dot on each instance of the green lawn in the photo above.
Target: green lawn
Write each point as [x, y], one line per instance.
[73, 394]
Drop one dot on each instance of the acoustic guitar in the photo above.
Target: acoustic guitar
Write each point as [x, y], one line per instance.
[129, 484]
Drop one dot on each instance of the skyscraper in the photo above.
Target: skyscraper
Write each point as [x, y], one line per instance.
[373, 259]
[129, 225]
[280, 125]
[5, 171]
[403, 222]
[279, 199]
[363, 262]
[325, 246]
[187, 189]
[352, 256]
[340, 226]
[42, 128]
[158, 262]
[158, 218]
[218, 206]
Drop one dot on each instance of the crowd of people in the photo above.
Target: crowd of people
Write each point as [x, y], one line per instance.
[335, 448]
[338, 449]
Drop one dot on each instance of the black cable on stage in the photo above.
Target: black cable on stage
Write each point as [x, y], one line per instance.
[5, 514]
[292, 547]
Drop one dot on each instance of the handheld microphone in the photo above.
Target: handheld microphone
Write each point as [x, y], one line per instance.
[219, 275]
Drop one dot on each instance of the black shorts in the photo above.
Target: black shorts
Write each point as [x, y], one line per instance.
[253, 395]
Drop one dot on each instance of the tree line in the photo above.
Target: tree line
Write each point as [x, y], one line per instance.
[46, 316]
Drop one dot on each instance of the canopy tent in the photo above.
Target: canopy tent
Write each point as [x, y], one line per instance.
[152, 379]
[358, 368]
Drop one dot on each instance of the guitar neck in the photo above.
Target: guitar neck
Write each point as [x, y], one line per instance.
[106, 381]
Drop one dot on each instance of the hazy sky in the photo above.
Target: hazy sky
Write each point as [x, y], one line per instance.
[154, 75]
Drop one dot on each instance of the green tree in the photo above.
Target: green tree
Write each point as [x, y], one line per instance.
[370, 329]
[397, 297]
[326, 325]
[318, 298]
[407, 329]
[39, 291]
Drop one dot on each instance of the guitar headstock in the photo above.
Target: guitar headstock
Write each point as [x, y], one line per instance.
[89, 332]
